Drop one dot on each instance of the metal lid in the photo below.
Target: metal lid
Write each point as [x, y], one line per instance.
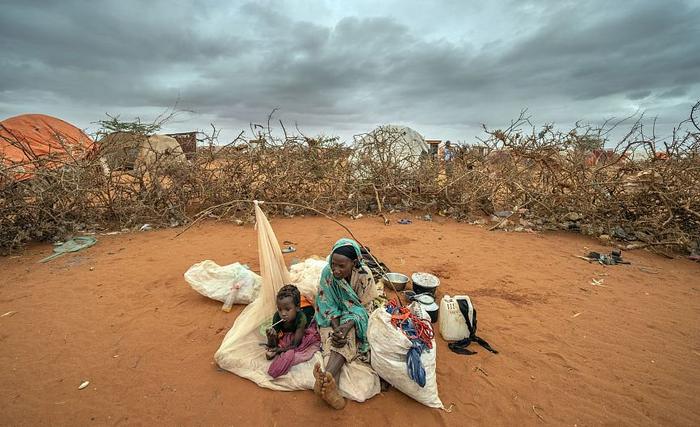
[424, 299]
[425, 280]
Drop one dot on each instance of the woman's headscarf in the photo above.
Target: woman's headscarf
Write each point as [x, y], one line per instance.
[336, 298]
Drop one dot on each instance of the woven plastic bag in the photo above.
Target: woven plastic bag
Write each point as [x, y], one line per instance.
[241, 352]
[389, 347]
[306, 276]
[216, 281]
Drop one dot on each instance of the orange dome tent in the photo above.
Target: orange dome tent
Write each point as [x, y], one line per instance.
[30, 137]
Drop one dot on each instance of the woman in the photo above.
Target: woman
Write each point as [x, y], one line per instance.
[347, 293]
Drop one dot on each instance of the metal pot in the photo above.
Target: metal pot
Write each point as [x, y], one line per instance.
[429, 305]
[397, 279]
[425, 283]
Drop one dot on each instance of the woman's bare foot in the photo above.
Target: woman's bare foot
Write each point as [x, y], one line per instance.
[320, 377]
[330, 393]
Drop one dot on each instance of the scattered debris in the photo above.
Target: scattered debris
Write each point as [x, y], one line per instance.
[239, 222]
[427, 217]
[620, 233]
[503, 214]
[73, 245]
[504, 224]
[83, 385]
[9, 314]
[478, 368]
[404, 221]
[535, 411]
[615, 257]
[288, 250]
[573, 216]
[146, 227]
[596, 282]
[358, 216]
[288, 242]
[576, 315]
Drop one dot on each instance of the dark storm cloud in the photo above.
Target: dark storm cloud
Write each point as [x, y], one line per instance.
[235, 62]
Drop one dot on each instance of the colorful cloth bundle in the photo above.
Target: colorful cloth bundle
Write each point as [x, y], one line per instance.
[419, 332]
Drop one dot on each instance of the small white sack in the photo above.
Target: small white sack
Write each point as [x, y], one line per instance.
[306, 276]
[216, 282]
[389, 347]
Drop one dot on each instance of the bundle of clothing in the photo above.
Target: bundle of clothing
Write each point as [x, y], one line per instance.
[419, 332]
[375, 265]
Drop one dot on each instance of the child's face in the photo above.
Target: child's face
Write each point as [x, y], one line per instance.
[286, 309]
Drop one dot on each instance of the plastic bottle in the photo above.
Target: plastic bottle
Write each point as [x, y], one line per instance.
[228, 304]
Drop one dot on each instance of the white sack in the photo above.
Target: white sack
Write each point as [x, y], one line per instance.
[389, 347]
[215, 281]
[307, 276]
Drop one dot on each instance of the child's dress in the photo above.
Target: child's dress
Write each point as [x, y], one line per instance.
[310, 342]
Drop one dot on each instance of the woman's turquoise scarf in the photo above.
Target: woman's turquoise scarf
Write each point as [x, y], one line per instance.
[336, 298]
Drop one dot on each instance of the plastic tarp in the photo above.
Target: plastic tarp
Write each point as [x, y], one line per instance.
[26, 138]
[241, 352]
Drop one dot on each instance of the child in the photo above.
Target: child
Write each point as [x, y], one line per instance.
[295, 339]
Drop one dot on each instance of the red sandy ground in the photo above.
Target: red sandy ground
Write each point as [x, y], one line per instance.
[120, 315]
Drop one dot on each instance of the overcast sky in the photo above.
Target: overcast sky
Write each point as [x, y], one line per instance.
[344, 67]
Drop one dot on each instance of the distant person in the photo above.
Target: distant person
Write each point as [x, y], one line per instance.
[448, 154]
[293, 338]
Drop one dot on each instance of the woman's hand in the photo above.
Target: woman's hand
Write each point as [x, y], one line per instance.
[340, 334]
[338, 340]
[271, 333]
[345, 328]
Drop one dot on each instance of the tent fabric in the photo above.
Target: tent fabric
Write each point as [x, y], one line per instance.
[406, 144]
[129, 150]
[241, 352]
[28, 137]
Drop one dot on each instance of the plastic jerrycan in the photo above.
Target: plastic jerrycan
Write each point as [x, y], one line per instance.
[453, 327]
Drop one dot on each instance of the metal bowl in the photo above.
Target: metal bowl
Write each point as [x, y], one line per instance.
[397, 279]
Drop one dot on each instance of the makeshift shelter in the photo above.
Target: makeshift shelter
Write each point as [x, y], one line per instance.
[30, 141]
[241, 352]
[393, 143]
[129, 150]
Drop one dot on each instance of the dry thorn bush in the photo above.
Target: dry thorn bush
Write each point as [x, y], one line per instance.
[644, 189]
